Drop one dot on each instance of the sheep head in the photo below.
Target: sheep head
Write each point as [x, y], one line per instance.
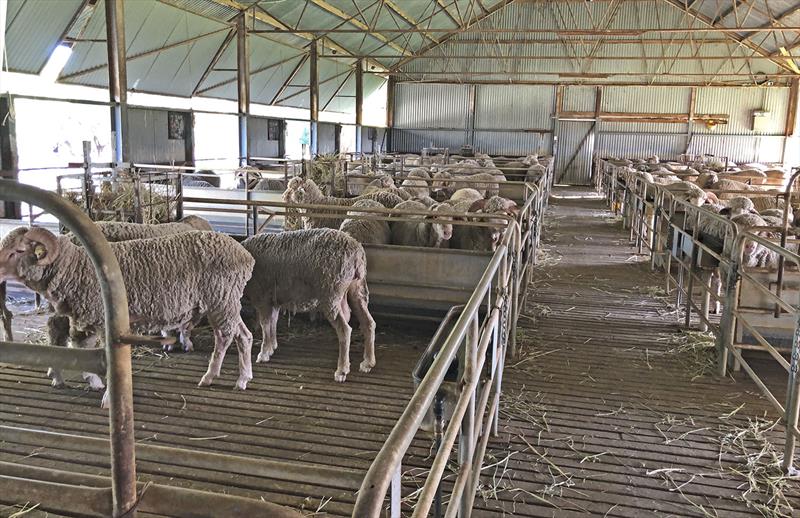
[26, 252]
[441, 227]
[442, 181]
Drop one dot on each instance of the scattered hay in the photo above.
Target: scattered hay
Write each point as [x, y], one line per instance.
[696, 351]
[523, 406]
[309, 508]
[25, 509]
[764, 481]
[324, 169]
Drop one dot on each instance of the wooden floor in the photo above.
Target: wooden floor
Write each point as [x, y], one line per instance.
[600, 416]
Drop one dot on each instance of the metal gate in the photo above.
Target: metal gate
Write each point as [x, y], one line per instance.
[574, 154]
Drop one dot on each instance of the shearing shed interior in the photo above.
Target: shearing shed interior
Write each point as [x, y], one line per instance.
[399, 258]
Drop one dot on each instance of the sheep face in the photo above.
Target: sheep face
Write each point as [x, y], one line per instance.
[442, 181]
[26, 252]
[443, 227]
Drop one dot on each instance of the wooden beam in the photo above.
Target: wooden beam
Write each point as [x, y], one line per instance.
[667, 118]
[791, 112]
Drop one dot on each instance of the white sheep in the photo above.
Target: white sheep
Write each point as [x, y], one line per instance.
[367, 231]
[170, 281]
[487, 183]
[306, 270]
[417, 182]
[425, 231]
[470, 237]
[306, 192]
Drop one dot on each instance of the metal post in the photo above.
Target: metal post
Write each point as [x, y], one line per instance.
[466, 440]
[390, 87]
[313, 100]
[359, 102]
[438, 431]
[88, 187]
[243, 86]
[727, 323]
[117, 78]
[792, 404]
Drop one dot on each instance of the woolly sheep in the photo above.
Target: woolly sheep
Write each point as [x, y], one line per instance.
[306, 192]
[755, 255]
[116, 231]
[367, 231]
[170, 281]
[306, 270]
[427, 231]
[468, 237]
[732, 185]
[535, 172]
[201, 178]
[417, 182]
[740, 205]
[687, 191]
[487, 183]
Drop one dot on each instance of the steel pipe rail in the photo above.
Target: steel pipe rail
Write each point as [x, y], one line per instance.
[118, 353]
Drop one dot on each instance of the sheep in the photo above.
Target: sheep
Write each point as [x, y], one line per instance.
[382, 182]
[687, 191]
[117, 231]
[305, 270]
[517, 170]
[469, 237]
[653, 159]
[425, 200]
[367, 231]
[170, 280]
[269, 184]
[731, 185]
[535, 172]
[740, 205]
[305, 191]
[202, 178]
[705, 179]
[755, 255]
[416, 182]
[247, 177]
[5, 314]
[427, 232]
[487, 183]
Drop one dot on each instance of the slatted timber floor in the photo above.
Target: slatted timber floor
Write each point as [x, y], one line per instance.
[599, 417]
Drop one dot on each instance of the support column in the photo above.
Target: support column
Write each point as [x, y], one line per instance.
[359, 101]
[390, 85]
[243, 86]
[791, 115]
[470, 140]
[8, 154]
[313, 101]
[117, 78]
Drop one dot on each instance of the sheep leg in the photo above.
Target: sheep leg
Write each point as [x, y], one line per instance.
[222, 341]
[358, 297]
[95, 382]
[5, 314]
[244, 344]
[343, 331]
[268, 318]
[58, 335]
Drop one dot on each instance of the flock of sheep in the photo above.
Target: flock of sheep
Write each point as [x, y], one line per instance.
[430, 203]
[737, 193]
[318, 264]
[178, 274]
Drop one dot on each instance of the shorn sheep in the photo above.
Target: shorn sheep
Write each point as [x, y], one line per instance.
[367, 231]
[170, 281]
[306, 270]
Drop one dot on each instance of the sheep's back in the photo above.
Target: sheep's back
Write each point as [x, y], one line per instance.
[295, 269]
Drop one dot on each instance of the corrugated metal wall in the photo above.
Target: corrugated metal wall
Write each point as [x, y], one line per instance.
[326, 138]
[505, 115]
[148, 133]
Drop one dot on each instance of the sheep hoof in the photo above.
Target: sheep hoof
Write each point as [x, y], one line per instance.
[188, 348]
[95, 383]
[105, 403]
[241, 383]
[340, 376]
[206, 380]
[366, 366]
[263, 357]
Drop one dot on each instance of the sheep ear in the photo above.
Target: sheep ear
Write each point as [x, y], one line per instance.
[45, 245]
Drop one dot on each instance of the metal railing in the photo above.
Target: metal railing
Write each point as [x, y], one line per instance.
[91, 495]
[758, 311]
